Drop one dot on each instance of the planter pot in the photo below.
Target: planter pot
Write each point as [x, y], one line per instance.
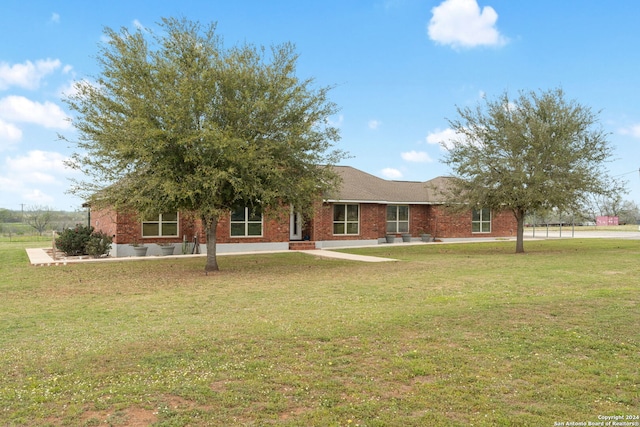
[425, 237]
[406, 237]
[167, 250]
[140, 250]
[390, 238]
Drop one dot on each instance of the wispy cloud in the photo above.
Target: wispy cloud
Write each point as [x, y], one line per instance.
[374, 124]
[138, 25]
[391, 173]
[34, 174]
[55, 18]
[9, 135]
[15, 108]
[38, 165]
[416, 156]
[633, 130]
[462, 24]
[336, 121]
[26, 75]
[443, 138]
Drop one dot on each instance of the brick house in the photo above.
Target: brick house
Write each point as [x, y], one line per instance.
[364, 210]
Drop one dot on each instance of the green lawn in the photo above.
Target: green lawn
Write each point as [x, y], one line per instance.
[451, 335]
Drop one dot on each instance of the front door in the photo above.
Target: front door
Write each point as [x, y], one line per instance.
[295, 225]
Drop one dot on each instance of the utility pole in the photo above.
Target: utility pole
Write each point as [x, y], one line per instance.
[22, 212]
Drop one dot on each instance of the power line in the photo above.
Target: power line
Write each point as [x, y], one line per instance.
[628, 173]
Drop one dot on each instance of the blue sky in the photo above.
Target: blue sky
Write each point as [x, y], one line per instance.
[400, 68]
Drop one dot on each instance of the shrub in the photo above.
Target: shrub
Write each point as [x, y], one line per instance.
[73, 241]
[98, 244]
[82, 240]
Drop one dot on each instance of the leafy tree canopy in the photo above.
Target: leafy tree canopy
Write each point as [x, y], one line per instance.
[538, 151]
[177, 122]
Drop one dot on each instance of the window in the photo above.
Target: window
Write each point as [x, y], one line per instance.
[163, 225]
[397, 219]
[481, 221]
[346, 219]
[246, 222]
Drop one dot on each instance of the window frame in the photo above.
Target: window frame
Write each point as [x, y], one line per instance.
[481, 223]
[247, 222]
[160, 222]
[397, 221]
[346, 222]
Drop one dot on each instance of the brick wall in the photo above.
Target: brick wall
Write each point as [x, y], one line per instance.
[127, 228]
[434, 220]
[447, 224]
[373, 223]
[430, 219]
[105, 220]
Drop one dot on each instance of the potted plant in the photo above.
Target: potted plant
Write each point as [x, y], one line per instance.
[139, 249]
[424, 236]
[166, 248]
[406, 237]
[390, 238]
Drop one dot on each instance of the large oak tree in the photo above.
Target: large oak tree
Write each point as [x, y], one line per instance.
[177, 122]
[536, 152]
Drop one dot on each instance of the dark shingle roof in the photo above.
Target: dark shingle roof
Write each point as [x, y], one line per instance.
[359, 186]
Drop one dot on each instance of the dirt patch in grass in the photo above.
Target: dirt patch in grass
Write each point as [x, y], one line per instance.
[131, 417]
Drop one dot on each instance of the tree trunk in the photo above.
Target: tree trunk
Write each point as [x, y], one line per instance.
[211, 224]
[519, 214]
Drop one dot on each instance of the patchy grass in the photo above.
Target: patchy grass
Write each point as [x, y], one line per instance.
[464, 334]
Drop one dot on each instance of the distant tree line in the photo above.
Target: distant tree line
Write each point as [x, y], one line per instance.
[627, 211]
[39, 219]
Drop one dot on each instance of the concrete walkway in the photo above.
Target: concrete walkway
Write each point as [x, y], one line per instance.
[39, 257]
[324, 253]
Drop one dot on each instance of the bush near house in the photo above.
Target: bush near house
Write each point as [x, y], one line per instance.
[83, 240]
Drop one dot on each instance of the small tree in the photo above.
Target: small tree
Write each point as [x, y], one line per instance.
[533, 153]
[177, 122]
[39, 217]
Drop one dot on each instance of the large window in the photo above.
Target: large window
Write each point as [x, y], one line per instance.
[246, 222]
[346, 219]
[163, 225]
[481, 221]
[397, 219]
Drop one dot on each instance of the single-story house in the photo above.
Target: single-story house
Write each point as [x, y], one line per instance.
[364, 210]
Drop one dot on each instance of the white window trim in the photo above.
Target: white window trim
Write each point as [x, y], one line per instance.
[345, 222]
[160, 222]
[246, 223]
[481, 221]
[397, 221]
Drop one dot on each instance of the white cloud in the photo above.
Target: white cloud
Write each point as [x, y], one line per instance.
[20, 109]
[337, 122]
[34, 176]
[374, 124]
[38, 165]
[138, 25]
[461, 23]
[9, 134]
[416, 156]
[443, 138]
[37, 197]
[391, 173]
[633, 131]
[26, 75]
[55, 18]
